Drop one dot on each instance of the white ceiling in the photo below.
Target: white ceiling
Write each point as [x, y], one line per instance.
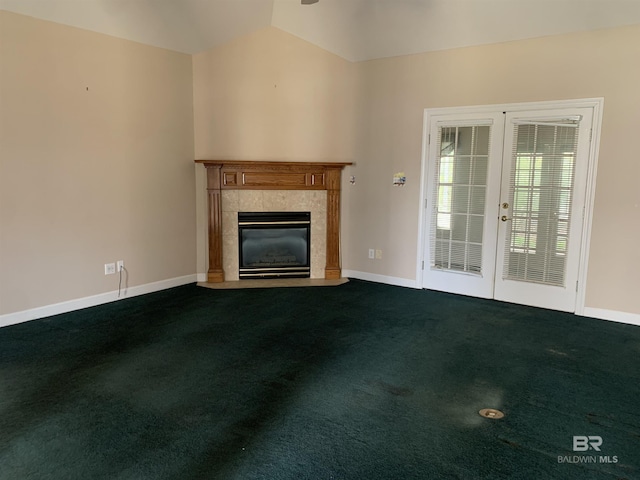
[354, 29]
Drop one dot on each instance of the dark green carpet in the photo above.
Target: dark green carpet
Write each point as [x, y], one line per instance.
[361, 381]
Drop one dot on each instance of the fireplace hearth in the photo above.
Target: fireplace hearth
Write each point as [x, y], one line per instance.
[274, 244]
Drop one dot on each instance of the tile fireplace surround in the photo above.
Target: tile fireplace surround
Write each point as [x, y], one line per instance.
[234, 186]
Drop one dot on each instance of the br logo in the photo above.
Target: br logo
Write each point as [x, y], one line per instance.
[582, 443]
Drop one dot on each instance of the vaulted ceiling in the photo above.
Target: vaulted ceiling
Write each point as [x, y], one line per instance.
[354, 29]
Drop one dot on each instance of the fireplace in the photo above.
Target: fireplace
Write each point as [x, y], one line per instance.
[263, 177]
[274, 244]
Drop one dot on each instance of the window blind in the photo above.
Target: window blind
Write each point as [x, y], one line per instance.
[540, 193]
[459, 205]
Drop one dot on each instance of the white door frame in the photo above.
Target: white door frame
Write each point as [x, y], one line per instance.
[595, 103]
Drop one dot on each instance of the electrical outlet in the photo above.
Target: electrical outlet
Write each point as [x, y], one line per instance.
[378, 254]
[119, 265]
[372, 253]
[109, 268]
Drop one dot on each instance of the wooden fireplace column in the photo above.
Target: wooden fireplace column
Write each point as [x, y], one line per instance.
[257, 175]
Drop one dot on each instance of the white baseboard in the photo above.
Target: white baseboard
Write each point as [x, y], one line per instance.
[202, 277]
[92, 301]
[612, 315]
[77, 304]
[599, 313]
[373, 277]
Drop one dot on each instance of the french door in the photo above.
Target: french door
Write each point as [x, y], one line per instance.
[505, 196]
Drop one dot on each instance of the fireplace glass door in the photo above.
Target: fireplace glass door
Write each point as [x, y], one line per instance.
[274, 244]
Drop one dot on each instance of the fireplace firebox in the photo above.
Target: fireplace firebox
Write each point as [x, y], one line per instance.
[274, 244]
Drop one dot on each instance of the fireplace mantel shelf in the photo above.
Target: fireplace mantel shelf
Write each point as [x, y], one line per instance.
[271, 163]
[269, 175]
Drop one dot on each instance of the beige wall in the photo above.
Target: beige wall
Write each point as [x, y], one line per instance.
[272, 96]
[596, 64]
[96, 163]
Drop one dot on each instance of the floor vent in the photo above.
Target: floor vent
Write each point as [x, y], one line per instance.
[491, 413]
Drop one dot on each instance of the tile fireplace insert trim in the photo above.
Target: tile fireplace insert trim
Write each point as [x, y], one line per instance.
[259, 175]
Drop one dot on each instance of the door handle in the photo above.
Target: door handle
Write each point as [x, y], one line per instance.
[504, 218]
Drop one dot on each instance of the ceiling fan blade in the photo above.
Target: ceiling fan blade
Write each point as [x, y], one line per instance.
[308, 2]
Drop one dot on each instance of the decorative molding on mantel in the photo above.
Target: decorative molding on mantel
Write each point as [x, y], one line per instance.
[259, 175]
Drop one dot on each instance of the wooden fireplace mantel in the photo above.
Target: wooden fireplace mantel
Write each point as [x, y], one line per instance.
[258, 175]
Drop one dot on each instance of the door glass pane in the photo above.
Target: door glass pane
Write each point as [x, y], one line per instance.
[540, 194]
[460, 191]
